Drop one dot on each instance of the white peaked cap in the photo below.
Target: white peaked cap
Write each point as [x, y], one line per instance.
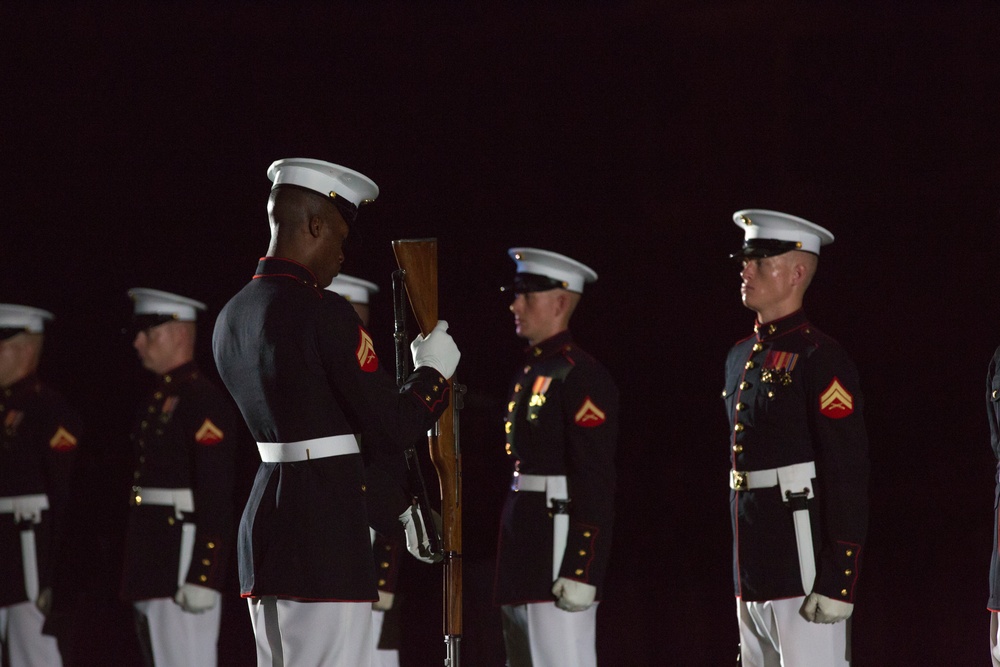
[32, 320]
[157, 302]
[326, 178]
[571, 273]
[353, 289]
[758, 223]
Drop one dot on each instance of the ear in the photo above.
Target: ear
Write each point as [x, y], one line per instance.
[315, 226]
[799, 273]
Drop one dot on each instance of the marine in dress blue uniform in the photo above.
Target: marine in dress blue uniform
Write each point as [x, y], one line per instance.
[181, 524]
[305, 374]
[561, 427]
[39, 434]
[799, 458]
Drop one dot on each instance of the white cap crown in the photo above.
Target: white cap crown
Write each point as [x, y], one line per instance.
[26, 318]
[157, 302]
[326, 178]
[559, 268]
[784, 232]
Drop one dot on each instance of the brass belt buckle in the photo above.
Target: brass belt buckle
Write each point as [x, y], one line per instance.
[737, 480]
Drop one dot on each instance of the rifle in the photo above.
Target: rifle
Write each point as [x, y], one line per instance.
[418, 489]
[417, 258]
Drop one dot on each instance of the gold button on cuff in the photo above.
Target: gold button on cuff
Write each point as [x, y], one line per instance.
[381, 582]
[582, 552]
[579, 572]
[170, 521]
[844, 592]
[586, 533]
[203, 578]
[211, 545]
[206, 562]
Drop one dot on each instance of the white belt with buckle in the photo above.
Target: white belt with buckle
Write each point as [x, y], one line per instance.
[182, 500]
[306, 450]
[25, 507]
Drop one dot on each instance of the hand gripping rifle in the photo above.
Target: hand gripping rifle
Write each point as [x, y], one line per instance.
[417, 259]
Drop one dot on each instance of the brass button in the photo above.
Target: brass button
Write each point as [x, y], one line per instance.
[749, 365]
[384, 565]
[771, 328]
[582, 552]
[741, 406]
[738, 427]
[206, 562]
[843, 592]
[211, 545]
[507, 426]
[171, 521]
[517, 387]
[580, 572]
[738, 448]
[203, 578]
[848, 572]
[586, 533]
[510, 406]
[995, 392]
[757, 347]
[850, 552]
[158, 395]
[381, 582]
[724, 393]
[770, 394]
[363, 488]
[744, 385]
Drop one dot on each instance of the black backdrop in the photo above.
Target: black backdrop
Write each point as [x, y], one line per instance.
[135, 139]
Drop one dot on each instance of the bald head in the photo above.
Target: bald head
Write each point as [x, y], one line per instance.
[307, 227]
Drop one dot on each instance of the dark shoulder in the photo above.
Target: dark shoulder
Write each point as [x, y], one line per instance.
[581, 362]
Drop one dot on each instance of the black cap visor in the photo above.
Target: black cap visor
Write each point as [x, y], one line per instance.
[532, 282]
[756, 248]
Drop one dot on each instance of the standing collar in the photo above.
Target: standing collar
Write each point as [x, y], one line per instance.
[25, 385]
[549, 346]
[176, 376]
[781, 326]
[288, 268]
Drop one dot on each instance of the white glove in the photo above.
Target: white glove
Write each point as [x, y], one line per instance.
[821, 609]
[196, 599]
[437, 350]
[573, 595]
[417, 542]
[385, 600]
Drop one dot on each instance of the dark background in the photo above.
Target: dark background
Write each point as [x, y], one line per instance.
[135, 139]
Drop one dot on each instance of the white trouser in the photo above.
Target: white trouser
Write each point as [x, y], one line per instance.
[21, 634]
[774, 634]
[539, 634]
[382, 657]
[178, 638]
[318, 634]
[994, 639]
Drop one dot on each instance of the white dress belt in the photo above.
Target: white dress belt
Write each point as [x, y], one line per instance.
[305, 450]
[25, 507]
[795, 478]
[182, 500]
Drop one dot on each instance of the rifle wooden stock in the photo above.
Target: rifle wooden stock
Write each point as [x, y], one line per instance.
[418, 259]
